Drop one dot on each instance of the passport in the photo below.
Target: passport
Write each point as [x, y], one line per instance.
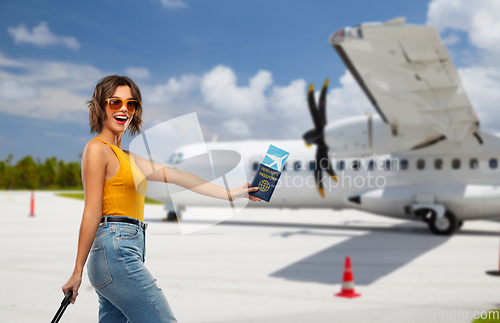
[269, 171]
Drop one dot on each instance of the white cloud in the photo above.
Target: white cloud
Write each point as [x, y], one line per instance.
[176, 97]
[54, 103]
[348, 100]
[450, 39]
[12, 90]
[237, 127]
[46, 90]
[481, 85]
[478, 18]
[136, 73]
[220, 91]
[174, 89]
[174, 4]
[41, 36]
[290, 101]
[56, 134]
[74, 76]
[8, 62]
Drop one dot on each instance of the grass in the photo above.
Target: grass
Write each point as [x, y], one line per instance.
[42, 189]
[81, 196]
[78, 196]
[494, 317]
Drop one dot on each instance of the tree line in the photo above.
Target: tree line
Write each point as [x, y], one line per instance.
[30, 174]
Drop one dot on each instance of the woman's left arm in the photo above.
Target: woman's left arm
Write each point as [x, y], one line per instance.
[160, 173]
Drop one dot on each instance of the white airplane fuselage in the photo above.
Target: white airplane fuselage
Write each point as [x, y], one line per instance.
[469, 192]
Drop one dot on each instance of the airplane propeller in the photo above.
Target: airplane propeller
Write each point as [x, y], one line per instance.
[316, 136]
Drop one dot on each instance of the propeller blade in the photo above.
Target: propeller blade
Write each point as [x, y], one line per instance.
[312, 137]
[318, 124]
[322, 102]
[316, 136]
[324, 161]
[317, 177]
[332, 174]
[478, 137]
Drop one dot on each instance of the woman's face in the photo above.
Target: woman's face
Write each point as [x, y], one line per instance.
[115, 119]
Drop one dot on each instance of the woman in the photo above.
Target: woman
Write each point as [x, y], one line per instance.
[112, 229]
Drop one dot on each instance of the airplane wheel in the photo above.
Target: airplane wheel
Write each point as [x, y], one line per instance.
[172, 216]
[445, 226]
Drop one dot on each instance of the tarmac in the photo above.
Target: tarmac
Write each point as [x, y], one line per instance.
[262, 265]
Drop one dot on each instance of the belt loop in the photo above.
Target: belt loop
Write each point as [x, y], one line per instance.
[105, 222]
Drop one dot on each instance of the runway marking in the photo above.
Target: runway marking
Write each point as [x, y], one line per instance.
[10, 198]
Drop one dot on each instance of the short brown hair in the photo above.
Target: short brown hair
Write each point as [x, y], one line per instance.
[104, 89]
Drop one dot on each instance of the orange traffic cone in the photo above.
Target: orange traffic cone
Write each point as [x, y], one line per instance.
[348, 282]
[32, 204]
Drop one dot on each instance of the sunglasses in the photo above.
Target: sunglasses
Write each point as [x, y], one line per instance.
[117, 104]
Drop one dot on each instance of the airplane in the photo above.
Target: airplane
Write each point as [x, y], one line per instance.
[421, 156]
[276, 160]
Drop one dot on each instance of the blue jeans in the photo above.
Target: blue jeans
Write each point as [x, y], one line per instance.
[127, 292]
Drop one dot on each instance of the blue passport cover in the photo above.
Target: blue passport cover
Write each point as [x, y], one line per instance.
[269, 172]
[265, 179]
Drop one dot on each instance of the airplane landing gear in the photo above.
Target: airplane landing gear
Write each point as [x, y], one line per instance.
[440, 221]
[171, 216]
[445, 225]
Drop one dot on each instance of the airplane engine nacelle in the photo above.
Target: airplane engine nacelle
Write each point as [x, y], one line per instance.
[366, 135]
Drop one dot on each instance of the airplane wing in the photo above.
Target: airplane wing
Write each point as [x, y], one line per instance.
[407, 74]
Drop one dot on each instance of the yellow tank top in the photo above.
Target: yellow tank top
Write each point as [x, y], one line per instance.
[123, 195]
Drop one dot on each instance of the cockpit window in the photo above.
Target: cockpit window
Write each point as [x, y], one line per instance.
[178, 158]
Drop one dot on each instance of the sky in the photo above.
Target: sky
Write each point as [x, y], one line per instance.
[242, 66]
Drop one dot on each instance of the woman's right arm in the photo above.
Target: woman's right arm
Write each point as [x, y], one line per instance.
[94, 165]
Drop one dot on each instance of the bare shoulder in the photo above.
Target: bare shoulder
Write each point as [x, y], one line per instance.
[94, 164]
[95, 150]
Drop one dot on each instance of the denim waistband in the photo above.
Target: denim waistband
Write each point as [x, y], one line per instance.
[127, 220]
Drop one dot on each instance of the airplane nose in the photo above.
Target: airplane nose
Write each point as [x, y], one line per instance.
[355, 199]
